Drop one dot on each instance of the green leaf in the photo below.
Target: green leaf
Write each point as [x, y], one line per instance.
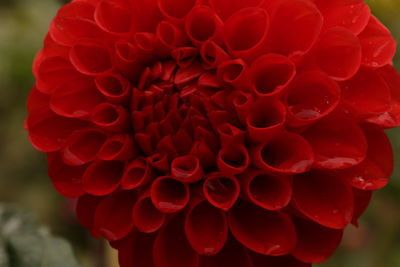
[24, 243]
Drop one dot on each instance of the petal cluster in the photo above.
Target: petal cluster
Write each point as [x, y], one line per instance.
[202, 133]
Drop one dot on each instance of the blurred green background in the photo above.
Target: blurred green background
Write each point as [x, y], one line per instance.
[23, 177]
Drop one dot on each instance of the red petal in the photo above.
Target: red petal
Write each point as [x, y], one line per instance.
[171, 248]
[315, 243]
[295, 26]
[75, 98]
[288, 153]
[221, 190]
[367, 93]
[337, 141]
[135, 250]
[391, 118]
[111, 117]
[374, 172]
[246, 33]
[206, 228]
[265, 120]
[114, 87]
[351, 14]
[169, 195]
[378, 45]
[187, 169]
[176, 10]
[232, 255]
[83, 146]
[263, 231]
[361, 201]
[235, 73]
[311, 96]
[273, 261]
[202, 24]
[90, 57]
[146, 217]
[66, 179]
[118, 147]
[73, 22]
[170, 35]
[137, 173]
[271, 73]
[54, 72]
[225, 8]
[339, 53]
[325, 199]
[113, 215]
[114, 17]
[49, 132]
[85, 210]
[267, 191]
[233, 159]
[103, 177]
[212, 55]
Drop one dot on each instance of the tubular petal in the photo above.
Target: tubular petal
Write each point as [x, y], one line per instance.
[265, 120]
[202, 24]
[169, 195]
[274, 261]
[75, 98]
[315, 243]
[171, 248]
[351, 14]
[102, 177]
[337, 141]
[113, 17]
[233, 254]
[48, 133]
[66, 179]
[176, 10]
[187, 169]
[271, 73]
[114, 87]
[72, 152]
[54, 72]
[206, 228]
[90, 57]
[246, 33]
[233, 159]
[339, 53]
[221, 190]
[118, 147]
[146, 217]
[362, 199]
[136, 174]
[235, 73]
[324, 198]
[288, 153]
[262, 231]
[377, 43]
[85, 209]
[73, 22]
[310, 97]
[374, 172]
[113, 215]
[135, 250]
[110, 117]
[267, 191]
[366, 93]
[212, 55]
[295, 27]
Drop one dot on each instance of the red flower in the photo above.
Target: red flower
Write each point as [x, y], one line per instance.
[202, 133]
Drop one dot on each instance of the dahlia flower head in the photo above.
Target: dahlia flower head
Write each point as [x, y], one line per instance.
[204, 133]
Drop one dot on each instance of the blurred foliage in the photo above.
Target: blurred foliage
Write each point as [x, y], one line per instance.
[24, 243]
[23, 176]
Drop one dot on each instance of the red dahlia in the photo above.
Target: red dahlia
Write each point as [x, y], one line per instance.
[202, 133]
